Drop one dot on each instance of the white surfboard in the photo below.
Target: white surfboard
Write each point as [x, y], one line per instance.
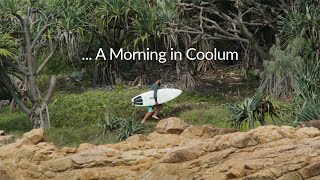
[164, 95]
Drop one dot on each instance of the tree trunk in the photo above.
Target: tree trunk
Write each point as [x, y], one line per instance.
[40, 112]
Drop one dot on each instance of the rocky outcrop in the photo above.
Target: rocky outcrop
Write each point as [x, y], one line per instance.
[205, 131]
[5, 139]
[171, 125]
[313, 123]
[268, 152]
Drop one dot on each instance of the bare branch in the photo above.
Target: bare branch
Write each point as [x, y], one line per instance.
[39, 34]
[48, 97]
[7, 83]
[47, 59]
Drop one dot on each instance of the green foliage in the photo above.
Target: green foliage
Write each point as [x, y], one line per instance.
[215, 115]
[6, 45]
[307, 92]
[58, 66]
[309, 111]
[125, 127]
[69, 136]
[110, 123]
[246, 114]
[303, 21]
[129, 128]
[307, 81]
[278, 75]
[14, 121]
[78, 110]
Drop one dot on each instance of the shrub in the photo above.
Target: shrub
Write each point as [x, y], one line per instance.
[254, 109]
[110, 123]
[309, 111]
[129, 128]
[278, 75]
[124, 127]
[307, 92]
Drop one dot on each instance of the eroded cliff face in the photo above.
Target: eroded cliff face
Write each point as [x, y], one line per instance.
[199, 152]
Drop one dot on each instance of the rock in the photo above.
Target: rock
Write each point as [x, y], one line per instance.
[313, 123]
[49, 174]
[311, 170]
[242, 140]
[209, 131]
[171, 125]
[4, 175]
[24, 152]
[4, 150]
[193, 132]
[308, 132]
[2, 133]
[154, 135]
[206, 131]
[68, 150]
[136, 138]
[290, 176]
[264, 174]
[4, 103]
[223, 131]
[6, 139]
[61, 164]
[85, 146]
[23, 141]
[182, 154]
[218, 176]
[200, 152]
[35, 135]
[89, 174]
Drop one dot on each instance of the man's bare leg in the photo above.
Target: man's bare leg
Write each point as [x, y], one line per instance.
[148, 114]
[158, 109]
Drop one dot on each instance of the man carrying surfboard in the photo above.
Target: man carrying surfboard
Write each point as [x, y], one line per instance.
[155, 86]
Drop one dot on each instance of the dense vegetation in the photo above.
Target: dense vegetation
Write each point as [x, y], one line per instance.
[42, 44]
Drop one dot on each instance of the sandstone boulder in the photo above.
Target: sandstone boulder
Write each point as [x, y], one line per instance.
[2, 133]
[242, 140]
[171, 125]
[313, 123]
[23, 141]
[35, 135]
[182, 154]
[85, 146]
[205, 131]
[223, 131]
[136, 138]
[60, 164]
[193, 132]
[6, 139]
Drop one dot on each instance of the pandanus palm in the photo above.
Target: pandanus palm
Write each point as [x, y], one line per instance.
[303, 21]
[7, 69]
[149, 30]
[6, 45]
[36, 26]
[145, 34]
[112, 26]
